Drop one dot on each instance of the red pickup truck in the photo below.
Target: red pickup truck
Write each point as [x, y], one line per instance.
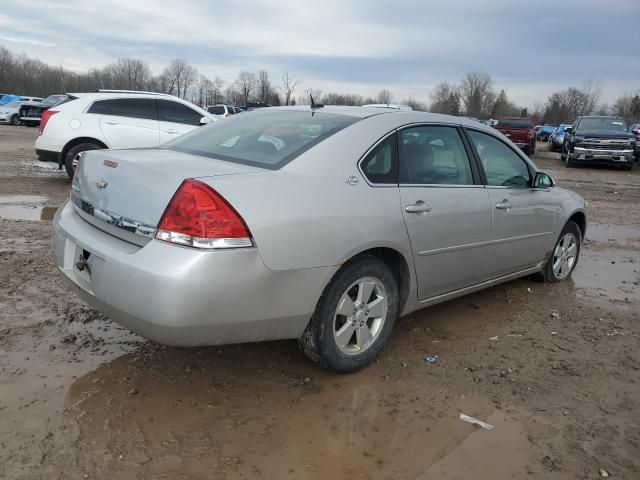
[520, 131]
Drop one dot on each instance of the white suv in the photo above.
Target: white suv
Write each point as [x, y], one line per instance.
[114, 119]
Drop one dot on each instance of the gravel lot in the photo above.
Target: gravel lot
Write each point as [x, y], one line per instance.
[554, 368]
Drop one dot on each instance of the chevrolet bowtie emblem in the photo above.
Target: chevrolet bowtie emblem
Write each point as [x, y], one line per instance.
[604, 142]
[101, 183]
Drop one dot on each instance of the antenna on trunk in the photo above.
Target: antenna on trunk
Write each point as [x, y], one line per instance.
[314, 104]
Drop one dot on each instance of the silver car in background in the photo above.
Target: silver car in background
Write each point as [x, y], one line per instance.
[321, 224]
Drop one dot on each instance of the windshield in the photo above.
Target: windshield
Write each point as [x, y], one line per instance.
[267, 139]
[515, 123]
[53, 99]
[602, 124]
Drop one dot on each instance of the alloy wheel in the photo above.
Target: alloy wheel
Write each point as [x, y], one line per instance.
[360, 316]
[565, 255]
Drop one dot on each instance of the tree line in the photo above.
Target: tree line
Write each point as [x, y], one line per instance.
[474, 96]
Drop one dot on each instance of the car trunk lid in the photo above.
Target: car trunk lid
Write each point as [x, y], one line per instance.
[125, 192]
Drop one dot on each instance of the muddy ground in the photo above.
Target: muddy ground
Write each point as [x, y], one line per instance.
[554, 368]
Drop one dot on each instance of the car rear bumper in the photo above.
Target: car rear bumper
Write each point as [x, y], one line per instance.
[47, 156]
[181, 296]
[619, 157]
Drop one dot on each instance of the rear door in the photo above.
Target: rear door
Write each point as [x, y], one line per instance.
[128, 122]
[523, 218]
[446, 209]
[176, 119]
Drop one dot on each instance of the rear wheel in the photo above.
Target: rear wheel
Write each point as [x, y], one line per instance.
[565, 255]
[354, 317]
[15, 120]
[69, 164]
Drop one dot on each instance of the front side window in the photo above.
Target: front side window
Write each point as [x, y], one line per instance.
[502, 166]
[380, 166]
[433, 155]
[175, 112]
[267, 139]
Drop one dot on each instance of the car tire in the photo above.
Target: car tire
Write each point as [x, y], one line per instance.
[15, 120]
[344, 334]
[82, 147]
[563, 259]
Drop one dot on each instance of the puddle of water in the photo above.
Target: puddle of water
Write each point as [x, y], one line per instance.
[623, 235]
[25, 207]
[211, 418]
[611, 274]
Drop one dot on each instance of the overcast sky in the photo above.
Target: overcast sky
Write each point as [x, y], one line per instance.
[530, 48]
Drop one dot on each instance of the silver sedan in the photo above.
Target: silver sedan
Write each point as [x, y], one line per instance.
[321, 224]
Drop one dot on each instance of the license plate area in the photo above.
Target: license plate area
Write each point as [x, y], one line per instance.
[80, 264]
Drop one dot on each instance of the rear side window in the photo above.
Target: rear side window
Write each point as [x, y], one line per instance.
[433, 155]
[502, 166]
[380, 165]
[175, 112]
[126, 107]
[216, 110]
[267, 139]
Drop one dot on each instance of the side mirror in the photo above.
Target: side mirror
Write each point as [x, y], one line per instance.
[205, 120]
[569, 130]
[542, 180]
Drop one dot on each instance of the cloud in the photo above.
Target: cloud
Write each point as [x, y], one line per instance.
[26, 41]
[359, 46]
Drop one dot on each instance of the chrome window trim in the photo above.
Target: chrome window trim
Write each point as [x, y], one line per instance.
[439, 185]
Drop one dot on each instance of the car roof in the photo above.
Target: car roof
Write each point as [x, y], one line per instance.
[401, 116]
[120, 94]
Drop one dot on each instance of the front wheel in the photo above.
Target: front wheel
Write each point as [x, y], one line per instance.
[354, 316]
[15, 120]
[565, 255]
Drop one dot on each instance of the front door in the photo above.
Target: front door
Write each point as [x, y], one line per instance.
[447, 214]
[523, 217]
[176, 119]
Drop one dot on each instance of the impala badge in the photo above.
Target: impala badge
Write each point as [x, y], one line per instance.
[101, 183]
[352, 180]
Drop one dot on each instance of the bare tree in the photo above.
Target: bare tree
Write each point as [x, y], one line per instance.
[477, 94]
[445, 98]
[265, 90]
[247, 83]
[385, 96]
[128, 74]
[288, 86]
[627, 106]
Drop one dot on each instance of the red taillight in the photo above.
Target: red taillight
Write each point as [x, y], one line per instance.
[198, 216]
[46, 115]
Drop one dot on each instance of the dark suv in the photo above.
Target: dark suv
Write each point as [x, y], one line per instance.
[599, 140]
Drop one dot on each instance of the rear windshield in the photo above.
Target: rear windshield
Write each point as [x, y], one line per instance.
[267, 139]
[515, 123]
[602, 124]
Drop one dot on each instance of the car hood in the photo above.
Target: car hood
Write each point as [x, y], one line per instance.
[605, 135]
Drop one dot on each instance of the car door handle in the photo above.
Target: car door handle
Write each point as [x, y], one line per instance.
[110, 122]
[504, 205]
[171, 131]
[418, 207]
